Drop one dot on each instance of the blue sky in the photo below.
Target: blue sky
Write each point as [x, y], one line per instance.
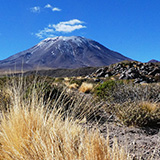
[131, 27]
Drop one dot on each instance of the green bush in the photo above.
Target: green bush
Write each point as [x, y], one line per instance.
[107, 88]
[122, 91]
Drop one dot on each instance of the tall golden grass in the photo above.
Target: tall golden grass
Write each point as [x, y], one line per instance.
[29, 131]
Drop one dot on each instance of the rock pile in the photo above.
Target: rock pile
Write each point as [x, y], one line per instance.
[140, 72]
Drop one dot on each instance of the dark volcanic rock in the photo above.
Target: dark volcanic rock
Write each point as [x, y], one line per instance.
[140, 72]
[154, 71]
[63, 52]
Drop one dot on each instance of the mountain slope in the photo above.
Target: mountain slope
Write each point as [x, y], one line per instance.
[63, 52]
[153, 61]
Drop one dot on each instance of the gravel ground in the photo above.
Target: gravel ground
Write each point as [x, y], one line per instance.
[141, 143]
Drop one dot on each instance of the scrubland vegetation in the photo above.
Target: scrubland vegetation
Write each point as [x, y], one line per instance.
[133, 104]
[38, 122]
[48, 118]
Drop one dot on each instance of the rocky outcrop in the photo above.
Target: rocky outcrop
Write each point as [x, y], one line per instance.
[139, 72]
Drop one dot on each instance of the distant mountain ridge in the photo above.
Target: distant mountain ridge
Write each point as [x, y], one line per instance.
[63, 52]
[153, 61]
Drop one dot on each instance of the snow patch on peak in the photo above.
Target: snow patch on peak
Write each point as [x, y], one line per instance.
[64, 38]
[47, 41]
[60, 38]
[50, 40]
[68, 38]
[73, 39]
[95, 46]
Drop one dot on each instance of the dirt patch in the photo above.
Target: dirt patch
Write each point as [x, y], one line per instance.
[141, 143]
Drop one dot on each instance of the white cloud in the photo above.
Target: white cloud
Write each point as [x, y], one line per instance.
[46, 32]
[68, 26]
[35, 9]
[48, 6]
[63, 27]
[56, 9]
[52, 8]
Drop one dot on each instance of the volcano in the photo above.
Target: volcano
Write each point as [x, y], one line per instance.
[63, 52]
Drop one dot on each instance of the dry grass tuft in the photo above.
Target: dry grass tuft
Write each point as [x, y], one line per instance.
[73, 86]
[66, 79]
[30, 131]
[142, 114]
[148, 106]
[34, 134]
[86, 87]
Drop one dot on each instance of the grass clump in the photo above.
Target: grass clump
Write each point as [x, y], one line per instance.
[142, 114]
[36, 135]
[73, 86]
[30, 130]
[5, 100]
[86, 87]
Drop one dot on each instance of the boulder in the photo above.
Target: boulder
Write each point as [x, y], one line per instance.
[154, 71]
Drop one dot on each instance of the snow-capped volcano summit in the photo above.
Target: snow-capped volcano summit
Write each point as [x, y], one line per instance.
[63, 52]
[67, 40]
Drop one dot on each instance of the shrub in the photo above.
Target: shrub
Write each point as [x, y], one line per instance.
[5, 100]
[122, 91]
[86, 87]
[107, 88]
[142, 114]
[3, 81]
